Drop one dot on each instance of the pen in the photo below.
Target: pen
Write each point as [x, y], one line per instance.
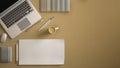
[16, 52]
[46, 23]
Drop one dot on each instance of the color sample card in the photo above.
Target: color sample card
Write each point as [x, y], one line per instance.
[5, 54]
[55, 5]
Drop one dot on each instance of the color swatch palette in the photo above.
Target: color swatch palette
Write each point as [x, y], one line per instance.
[5, 54]
[55, 5]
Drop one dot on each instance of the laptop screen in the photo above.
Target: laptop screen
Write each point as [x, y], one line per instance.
[4, 4]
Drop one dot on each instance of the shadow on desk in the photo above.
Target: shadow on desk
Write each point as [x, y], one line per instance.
[44, 33]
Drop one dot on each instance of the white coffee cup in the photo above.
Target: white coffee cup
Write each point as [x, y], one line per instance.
[53, 29]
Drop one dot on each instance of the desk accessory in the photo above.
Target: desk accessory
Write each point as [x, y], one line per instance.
[46, 23]
[3, 37]
[41, 52]
[53, 29]
[17, 52]
[6, 54]
[55, 5]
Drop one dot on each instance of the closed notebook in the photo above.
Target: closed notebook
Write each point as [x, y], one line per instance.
[41, 52]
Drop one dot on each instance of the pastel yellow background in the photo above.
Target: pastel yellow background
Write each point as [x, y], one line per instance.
[91, 31]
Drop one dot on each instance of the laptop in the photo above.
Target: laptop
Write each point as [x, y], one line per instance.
[17, 15]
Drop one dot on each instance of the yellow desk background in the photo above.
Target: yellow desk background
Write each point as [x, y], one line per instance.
[91, 31]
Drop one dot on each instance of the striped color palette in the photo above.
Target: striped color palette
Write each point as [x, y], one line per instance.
[55, 5]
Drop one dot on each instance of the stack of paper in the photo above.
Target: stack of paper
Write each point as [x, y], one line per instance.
[41, 52]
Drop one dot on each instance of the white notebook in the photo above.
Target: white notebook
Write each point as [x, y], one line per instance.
[41, 52]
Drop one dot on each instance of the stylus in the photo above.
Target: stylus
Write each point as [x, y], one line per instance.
[46, 23]
[16, 52]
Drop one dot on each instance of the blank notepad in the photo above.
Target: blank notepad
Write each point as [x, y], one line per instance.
[41, 52]
[55, 5]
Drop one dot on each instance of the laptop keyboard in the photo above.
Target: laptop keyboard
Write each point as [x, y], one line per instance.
[16, 14]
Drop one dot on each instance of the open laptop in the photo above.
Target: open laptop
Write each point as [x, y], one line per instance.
[17, 15]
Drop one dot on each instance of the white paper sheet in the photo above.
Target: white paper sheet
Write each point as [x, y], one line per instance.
[41, 52]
